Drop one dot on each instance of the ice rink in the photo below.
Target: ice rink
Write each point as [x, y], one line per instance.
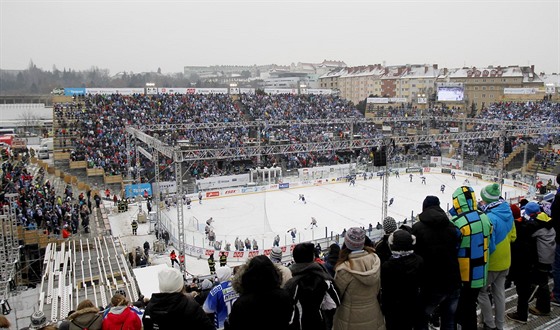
[263, 215]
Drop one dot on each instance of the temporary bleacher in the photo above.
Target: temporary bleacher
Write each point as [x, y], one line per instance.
[88, 268]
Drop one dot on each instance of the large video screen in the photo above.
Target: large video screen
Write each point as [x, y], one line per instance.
[450, 93]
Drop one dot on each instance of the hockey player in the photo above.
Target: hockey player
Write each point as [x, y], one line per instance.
[353, 181]
[211, 237]
[453, 175]
[200, 197]
[313, 222]
[442, 188]
[293, 232]
[391, 201]
[302, 198]
[410, 176]
[209, 221]
[397, 175]
[423, 180]
[466, 182]
[188, 202]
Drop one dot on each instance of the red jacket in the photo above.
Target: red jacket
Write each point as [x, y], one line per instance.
[122, 318]
[65, 233]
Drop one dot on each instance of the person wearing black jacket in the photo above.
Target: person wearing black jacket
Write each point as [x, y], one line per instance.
[312, 288]
[173, 306]
[437, 241]
[400, 280]
[555, 215]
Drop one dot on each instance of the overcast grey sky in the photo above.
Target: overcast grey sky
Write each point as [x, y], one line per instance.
[142, 35]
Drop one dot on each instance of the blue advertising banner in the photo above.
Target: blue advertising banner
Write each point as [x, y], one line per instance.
[133, 190]
[283, 186]
[74, 91]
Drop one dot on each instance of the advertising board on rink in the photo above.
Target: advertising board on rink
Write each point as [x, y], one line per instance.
[168, 187]
[226, 181]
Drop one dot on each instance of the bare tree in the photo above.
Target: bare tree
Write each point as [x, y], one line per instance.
[30, 122]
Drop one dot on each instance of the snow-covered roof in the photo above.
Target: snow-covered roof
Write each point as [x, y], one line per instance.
[551, 79]
[474, 72]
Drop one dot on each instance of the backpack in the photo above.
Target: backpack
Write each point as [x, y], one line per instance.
[88, 325]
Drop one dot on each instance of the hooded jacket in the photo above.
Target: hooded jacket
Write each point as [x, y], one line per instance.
[400, 284]
[503, 234]
[89, 318]
[544, 236]
[437, 242]
[122, 317]
[475, 229]
[167, 310]
[358, 281]
[309, 286]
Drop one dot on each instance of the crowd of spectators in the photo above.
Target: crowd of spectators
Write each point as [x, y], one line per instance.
[94, 129]
[38, 205]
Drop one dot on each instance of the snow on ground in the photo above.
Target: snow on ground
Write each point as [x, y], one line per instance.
[263, 215]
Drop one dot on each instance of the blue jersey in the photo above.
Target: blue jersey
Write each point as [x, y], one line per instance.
[219, 301]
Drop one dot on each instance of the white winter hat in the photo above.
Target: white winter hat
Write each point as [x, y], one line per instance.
[170, 280]
[224, 273]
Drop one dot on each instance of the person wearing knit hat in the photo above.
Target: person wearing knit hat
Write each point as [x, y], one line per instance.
[355, 238]
[501, 217]
[357, 276]
[276, 254]
[38, 321]
[400, 280]
[401, 241]
[389, 225]
[490, 193]
[170, 280]
[276, 258]
[205, 287]
[172, 305]
[222, 296]
[382, 246]
[537, 232]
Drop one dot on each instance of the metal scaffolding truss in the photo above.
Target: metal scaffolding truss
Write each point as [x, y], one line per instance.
[248, 151]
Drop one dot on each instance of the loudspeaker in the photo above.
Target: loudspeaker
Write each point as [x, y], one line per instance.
[380, 157]
[507, 147]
